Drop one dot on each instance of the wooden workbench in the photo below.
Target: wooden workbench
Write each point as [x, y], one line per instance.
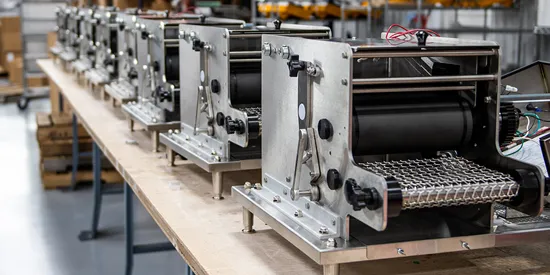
[207, 233]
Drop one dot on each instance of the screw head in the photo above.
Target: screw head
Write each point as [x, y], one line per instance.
[323, 230]
[401, 251]
[344, 82]
[487, 99]
[345, 55]
[247, 185]
[298, 213]
[331, 242]
[307, 205]
[258, 186]
[265, 179]
[170, 131]
[288, 179]
[333, 222]
[285, 192]
[276, 199]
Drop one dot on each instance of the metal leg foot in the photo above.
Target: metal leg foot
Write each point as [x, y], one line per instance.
[155, 141]
[131, 124]
[248, 222]
[171, 155]
[331, 269]
[217, 185]
[96, 163]
[129, 228]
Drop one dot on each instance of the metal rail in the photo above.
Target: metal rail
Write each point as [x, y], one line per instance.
[424, 79]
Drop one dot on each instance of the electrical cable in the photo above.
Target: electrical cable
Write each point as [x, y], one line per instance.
[520, 147]
[405, 35]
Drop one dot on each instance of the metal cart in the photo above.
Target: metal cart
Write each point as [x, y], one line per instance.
[37, 19]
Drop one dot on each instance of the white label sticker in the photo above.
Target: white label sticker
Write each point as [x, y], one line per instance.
[302, 111]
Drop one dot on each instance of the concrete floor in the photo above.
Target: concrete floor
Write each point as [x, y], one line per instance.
[39, 229]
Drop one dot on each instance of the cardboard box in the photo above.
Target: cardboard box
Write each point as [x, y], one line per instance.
[11, 41]
[15, 70]
[161, 5]
[11, 24]
[37, 81]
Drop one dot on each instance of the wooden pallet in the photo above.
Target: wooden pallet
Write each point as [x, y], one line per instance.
[53, 180]
[10, 91]
[56, 126]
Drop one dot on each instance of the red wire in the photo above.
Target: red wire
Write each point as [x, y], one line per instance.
[405, 35]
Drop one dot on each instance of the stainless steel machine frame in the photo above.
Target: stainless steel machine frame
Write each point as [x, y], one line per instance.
[62, 16]
[212, 55]
[105, 67]
[295, 197]
[87, 47]
[72, 48]
[158, 98]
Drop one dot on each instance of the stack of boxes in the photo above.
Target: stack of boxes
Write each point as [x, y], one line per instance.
[11, 59]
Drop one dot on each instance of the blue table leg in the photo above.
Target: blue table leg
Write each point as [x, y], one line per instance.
[97, 185]
[76, 152]
[129, 228]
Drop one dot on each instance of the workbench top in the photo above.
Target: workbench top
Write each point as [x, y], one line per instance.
[207, 233]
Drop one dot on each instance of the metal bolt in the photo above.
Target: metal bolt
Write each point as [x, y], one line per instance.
[307, 205]
[181, 34]
[224, 53]
[487, 99]
[345, 55]
[331, 242]
[401, 251]
[285, 192]
[265, 179]
[288, 179]
[177, 131]
[170, 132]
[186, 137]
[333, 222]
[465, 245]
[224, 35]
[267, 48]
[208, 48]
[323, 230]
[258, 186]
[154, 120]
[298, 213]
[214, 152]
[285, 52]
[276, 199]
[247, 185]
[344, 82]
[217, 158]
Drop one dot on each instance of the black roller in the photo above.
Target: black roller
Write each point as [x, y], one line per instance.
[406, 123]
[245, 88]
[172, 67]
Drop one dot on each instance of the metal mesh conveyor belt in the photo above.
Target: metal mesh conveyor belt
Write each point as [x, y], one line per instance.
[445, 181]
[252, 111]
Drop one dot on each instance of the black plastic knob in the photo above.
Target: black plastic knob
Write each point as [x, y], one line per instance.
[156, 66]
[295, 65]
[234, 126]
[197, 45]
[164, 95]
[360, 198]
[324, 127]
[215, 86]
[220, 119]
[277, 24]
[121, 27]
[334, 180]
[132, 74]
[421, 37]
[202, 18]
[130, 52]
[144, 35]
